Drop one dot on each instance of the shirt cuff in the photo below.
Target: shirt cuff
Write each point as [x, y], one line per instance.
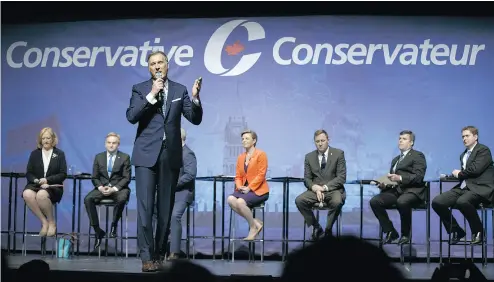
[151, 99]
[325, 188]
[196, 101]
[115, 189]
[401, 179]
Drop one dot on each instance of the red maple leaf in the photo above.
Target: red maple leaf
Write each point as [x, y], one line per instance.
[234, 49]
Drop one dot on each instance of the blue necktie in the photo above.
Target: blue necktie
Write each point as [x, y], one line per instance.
[110, 166]
[464, 183]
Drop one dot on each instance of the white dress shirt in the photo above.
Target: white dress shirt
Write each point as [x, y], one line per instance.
[464, 160]
[46, 159]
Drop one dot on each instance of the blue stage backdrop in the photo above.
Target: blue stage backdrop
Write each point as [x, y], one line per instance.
[363, 79]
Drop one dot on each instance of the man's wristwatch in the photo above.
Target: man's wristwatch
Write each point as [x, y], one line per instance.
[36, 181]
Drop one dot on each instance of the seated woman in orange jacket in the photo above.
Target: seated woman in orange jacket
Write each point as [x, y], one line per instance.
[251, 187]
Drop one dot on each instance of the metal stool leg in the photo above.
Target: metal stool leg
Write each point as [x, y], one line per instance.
[187, 236]
[24, 251]
[262, 244]
[428, 233]
[193, 230]
[232, 237]
[127, 231]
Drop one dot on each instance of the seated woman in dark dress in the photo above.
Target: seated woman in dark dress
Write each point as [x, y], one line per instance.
[251, 187]
[45, 173]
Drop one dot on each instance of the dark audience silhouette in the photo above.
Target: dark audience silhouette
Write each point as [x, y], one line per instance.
[340, 259]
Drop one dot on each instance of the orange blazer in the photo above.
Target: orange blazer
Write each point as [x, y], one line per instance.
[256, 172]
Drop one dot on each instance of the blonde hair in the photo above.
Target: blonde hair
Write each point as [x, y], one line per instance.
[113, 134]
[54, 137]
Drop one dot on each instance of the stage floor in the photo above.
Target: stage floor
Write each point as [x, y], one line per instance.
[418, 271]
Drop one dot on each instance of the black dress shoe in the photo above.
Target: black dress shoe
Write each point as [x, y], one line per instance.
[477, 238]
[317, 233]
[328, 233]
[390, 237]
[113, 231]
[457, 235]
[99, 238]
[404, 240]
[172, 256]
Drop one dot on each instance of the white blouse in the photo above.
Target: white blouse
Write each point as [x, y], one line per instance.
[46, 159]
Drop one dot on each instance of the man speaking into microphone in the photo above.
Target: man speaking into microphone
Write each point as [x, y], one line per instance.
[157, 105]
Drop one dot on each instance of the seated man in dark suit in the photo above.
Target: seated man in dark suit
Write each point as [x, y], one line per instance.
[408, 170]
[324, 178]
[111, 177]
[184, 195]
[476, 187]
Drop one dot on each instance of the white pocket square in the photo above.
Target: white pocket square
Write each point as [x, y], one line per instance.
[175, 100]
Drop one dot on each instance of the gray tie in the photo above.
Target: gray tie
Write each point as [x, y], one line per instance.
[399, 160]
[464, 183]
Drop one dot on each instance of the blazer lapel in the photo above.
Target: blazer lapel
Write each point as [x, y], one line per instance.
[393, 162]
[103, 160]
[315, 160]
[117, 162]
[329, 160]
[169, 98]
[471, 157]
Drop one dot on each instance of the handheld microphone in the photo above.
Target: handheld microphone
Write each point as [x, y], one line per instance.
[159, 75]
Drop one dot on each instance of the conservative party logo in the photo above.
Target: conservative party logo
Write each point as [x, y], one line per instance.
[217, 44]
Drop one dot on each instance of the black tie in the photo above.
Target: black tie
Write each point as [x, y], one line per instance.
[323, 162]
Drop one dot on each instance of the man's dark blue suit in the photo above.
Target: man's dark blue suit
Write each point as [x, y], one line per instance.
[158, 162]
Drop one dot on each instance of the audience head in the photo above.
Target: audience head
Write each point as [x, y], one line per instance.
[183, 270]
[351, 258]
[249, 139]
[33, 270]
[47, 139]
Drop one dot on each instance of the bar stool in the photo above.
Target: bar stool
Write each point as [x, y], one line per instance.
[54, 249]
[317, 209]
[251, 243]
[424, 206]
[484, 208]
[107, 203]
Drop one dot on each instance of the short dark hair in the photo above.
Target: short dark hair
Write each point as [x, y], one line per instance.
[409, 132]
[156, 53]
[319, 132]
[472, 129]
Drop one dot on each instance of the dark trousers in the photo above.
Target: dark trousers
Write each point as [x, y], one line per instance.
[334, 200]
[154, 183]
[463, 199]
[404, 204]
[95, 196]
[183, 198]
